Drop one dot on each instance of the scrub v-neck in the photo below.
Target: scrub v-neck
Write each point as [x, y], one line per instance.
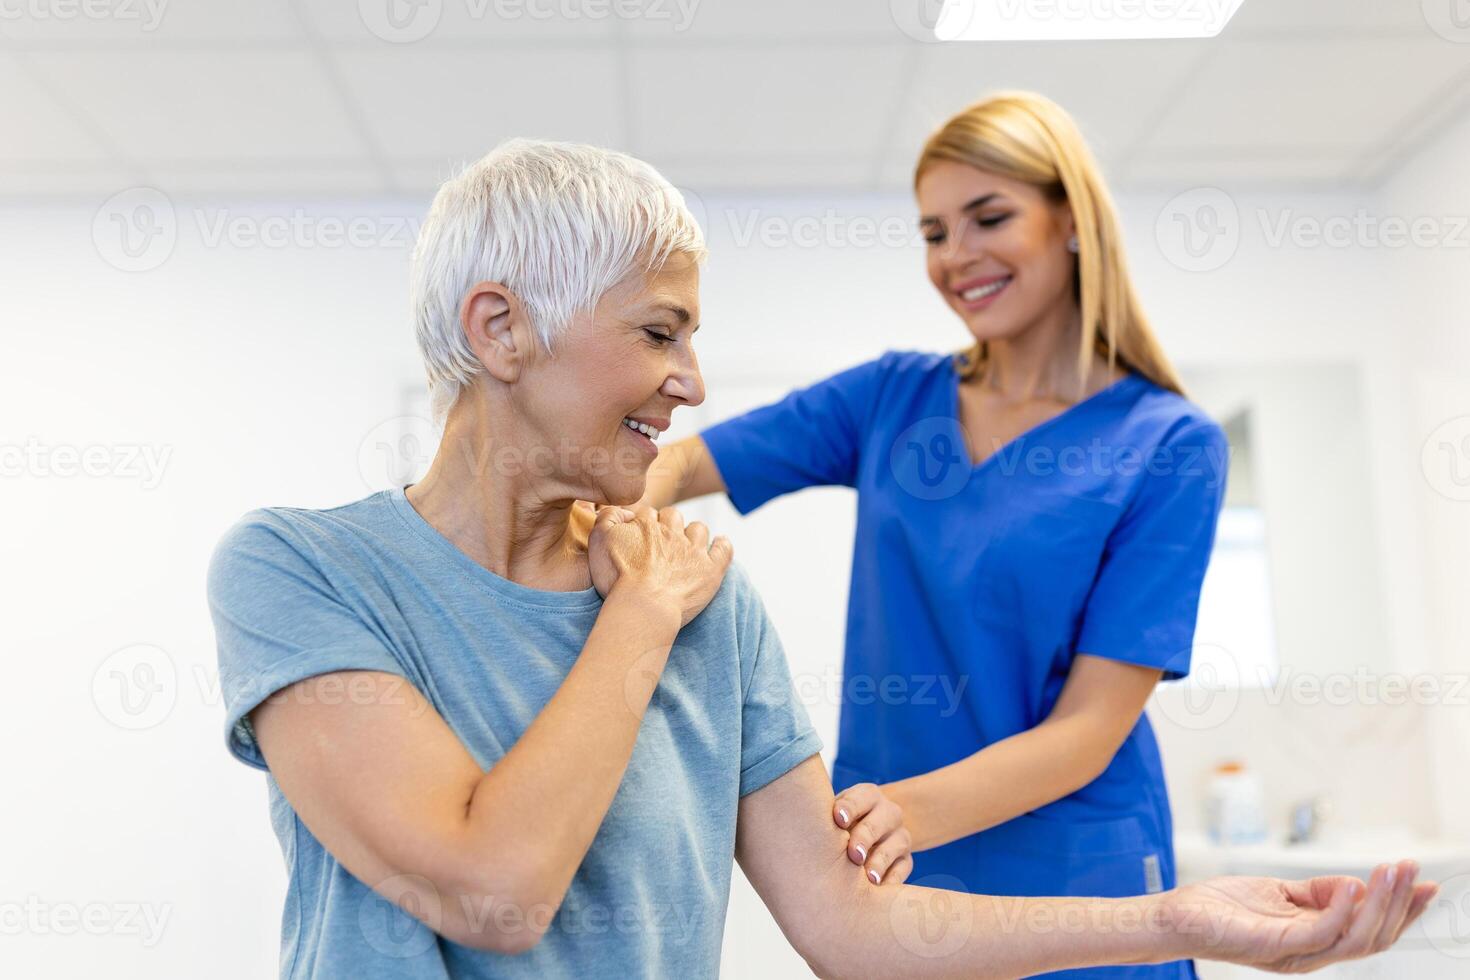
[980, 467]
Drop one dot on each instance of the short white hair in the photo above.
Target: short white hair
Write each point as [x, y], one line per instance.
[558, 223]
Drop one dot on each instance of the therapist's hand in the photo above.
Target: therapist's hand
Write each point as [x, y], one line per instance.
[876, 838]
[1297, 926]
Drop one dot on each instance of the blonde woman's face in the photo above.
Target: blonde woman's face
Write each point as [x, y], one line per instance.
[997, 248]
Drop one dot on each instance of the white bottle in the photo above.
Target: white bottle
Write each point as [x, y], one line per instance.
[1235, 806]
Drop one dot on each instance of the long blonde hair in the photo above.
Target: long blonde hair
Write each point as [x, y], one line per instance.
[1028, 137]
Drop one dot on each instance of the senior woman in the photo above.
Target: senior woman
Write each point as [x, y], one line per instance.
[504, 740]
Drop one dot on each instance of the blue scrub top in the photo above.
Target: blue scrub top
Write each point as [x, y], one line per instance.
[974, 587]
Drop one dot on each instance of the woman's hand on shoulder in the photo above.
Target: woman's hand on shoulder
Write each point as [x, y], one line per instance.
[655, 554]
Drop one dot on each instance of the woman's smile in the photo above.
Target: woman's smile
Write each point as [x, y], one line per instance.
[977, 294]
[645, 432]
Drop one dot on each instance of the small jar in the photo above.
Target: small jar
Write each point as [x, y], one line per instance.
[1235, 806]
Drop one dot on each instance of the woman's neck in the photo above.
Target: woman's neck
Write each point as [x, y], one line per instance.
[1040, 362]
[529, 534]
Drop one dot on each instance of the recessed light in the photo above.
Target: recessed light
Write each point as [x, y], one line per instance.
[1081, 20]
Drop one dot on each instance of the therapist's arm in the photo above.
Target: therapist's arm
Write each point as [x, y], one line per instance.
[1099, 705]
[682, 471]
[794, 856]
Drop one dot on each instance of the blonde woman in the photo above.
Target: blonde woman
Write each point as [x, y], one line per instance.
[1035, 516]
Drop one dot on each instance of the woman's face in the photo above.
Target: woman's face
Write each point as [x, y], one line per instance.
[632, 358]
[997, 248]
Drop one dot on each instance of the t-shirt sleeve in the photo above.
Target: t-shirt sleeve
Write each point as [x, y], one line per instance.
[812, 437]
[775, 731]
[1145, 600]
[278, 620]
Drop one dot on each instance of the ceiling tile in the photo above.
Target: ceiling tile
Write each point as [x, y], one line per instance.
[85, 183]
[733, 173]
[206, 105]
[1113, 89]
[1341, 95]
[421, 103]
[36, 128]
[1322, 16]
[786, 100]
[1186, 170]
[346, 178]
[701, 20]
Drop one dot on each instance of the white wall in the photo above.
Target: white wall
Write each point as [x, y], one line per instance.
[256, 372]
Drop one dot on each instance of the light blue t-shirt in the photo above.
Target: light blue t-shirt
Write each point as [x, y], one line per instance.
[371, 585]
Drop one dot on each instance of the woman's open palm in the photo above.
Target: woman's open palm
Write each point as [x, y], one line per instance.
[1297, 926]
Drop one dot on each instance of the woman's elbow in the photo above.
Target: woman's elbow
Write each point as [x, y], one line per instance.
[494, 910]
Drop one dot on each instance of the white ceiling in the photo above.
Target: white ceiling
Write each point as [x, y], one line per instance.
[271, 97]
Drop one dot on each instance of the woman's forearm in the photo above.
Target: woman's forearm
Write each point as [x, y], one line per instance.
[1003, 780]
[925, 932]
[682, 471]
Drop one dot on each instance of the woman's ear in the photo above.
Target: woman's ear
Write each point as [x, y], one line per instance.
[495, 326]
